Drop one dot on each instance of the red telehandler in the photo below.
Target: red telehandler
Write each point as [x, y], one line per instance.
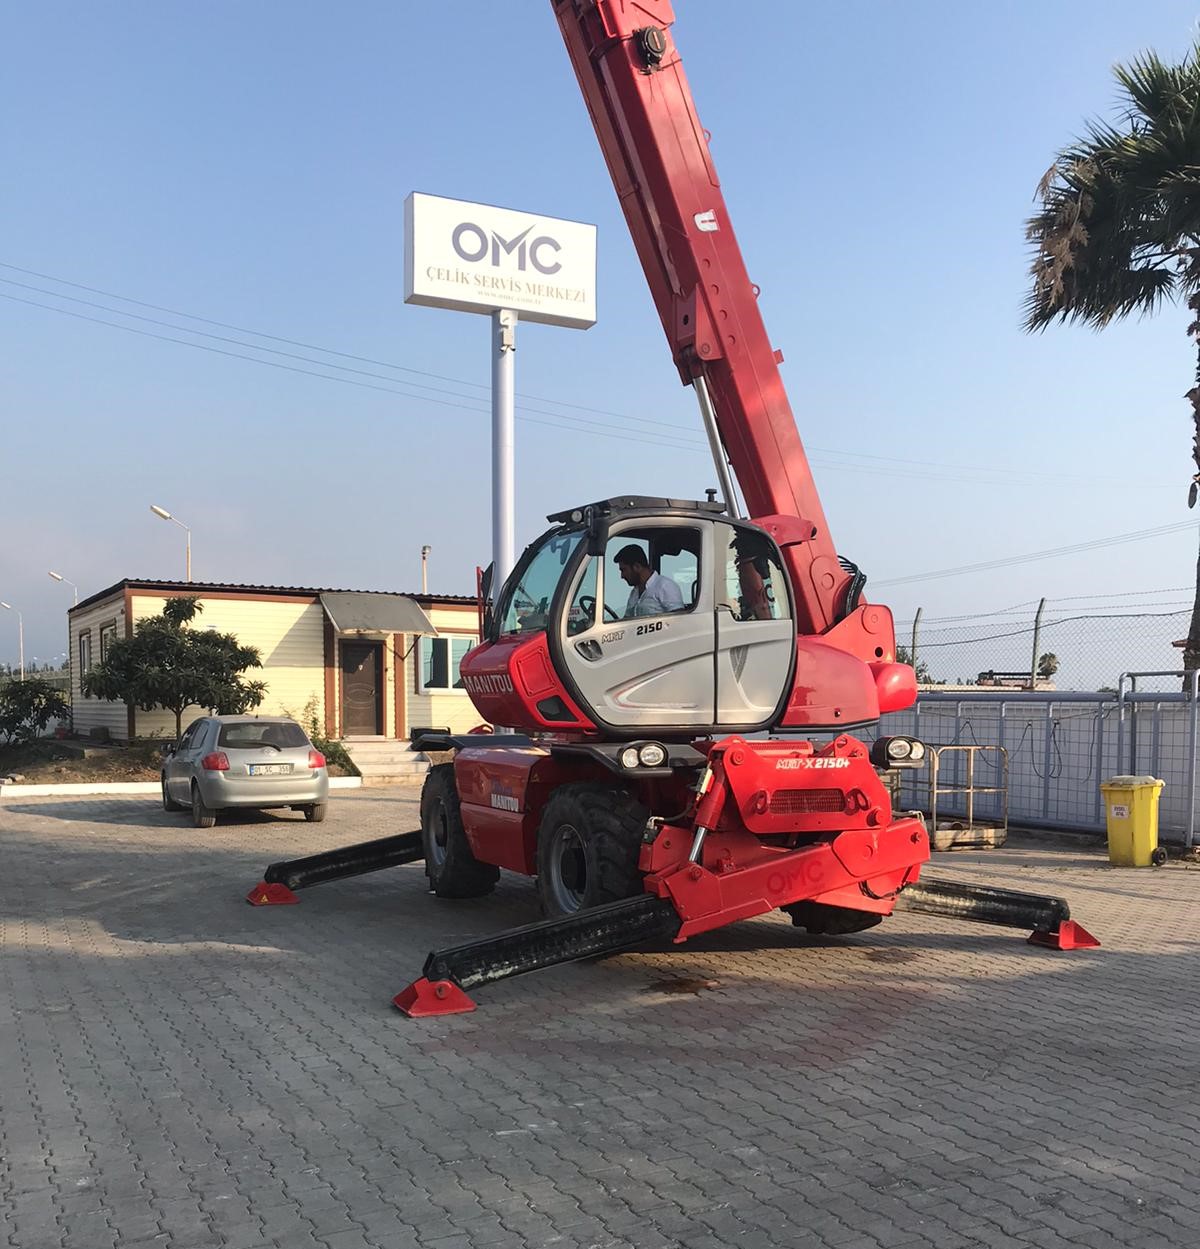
[681, 681]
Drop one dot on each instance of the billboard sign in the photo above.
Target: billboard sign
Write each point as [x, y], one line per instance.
[479, 258]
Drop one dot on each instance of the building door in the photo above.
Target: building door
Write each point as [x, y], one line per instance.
[362, 689]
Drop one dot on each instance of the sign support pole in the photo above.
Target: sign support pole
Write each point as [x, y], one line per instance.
[504, 346]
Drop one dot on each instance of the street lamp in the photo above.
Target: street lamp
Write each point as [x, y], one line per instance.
[67, 581]
[20, 634]
[425, 569]
[162, 511]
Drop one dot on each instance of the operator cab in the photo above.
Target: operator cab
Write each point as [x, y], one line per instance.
[695, 635]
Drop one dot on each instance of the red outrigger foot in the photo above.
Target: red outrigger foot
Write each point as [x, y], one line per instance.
[432, 997]
[264, 894]
[1067, 936]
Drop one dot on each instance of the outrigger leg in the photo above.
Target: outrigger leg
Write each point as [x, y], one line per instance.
[1049, 918]
[441, 989]
[280, 880]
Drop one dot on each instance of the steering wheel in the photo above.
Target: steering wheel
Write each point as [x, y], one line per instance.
[587, 603]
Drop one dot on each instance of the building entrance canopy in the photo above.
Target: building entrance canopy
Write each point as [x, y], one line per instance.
[358, 610]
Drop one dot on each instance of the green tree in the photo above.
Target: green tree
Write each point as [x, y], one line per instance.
[27, 707]
[1047, 665]
[922, 668]
[168, 664]
[1118, 230]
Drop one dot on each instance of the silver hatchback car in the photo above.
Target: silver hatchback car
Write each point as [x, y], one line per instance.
[244, 761]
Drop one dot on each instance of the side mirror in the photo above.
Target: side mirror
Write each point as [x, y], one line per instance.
[167, 749]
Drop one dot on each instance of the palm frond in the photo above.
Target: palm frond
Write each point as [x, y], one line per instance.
[1119, 210]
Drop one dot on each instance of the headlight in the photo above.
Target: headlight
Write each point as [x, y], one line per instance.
[629, 757]
[898, 752]
[652, 755]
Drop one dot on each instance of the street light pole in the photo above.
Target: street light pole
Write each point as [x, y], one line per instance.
[66, 580]
[20, 634]
[162, 511]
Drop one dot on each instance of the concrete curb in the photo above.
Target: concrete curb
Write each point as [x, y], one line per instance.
[104, 789]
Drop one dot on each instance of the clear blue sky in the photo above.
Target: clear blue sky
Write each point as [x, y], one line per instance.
[249, 163]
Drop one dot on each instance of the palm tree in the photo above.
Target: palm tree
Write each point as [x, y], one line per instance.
[1118, 230]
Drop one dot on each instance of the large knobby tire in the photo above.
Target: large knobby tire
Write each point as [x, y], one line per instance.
[453, 871]
[202, 816]
[588, 846]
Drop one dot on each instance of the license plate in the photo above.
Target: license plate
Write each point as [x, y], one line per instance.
[269, 769]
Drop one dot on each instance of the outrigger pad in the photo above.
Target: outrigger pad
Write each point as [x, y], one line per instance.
[1067, 936]
[432, 997]
[271, 894]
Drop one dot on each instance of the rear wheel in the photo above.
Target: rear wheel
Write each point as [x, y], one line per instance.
[314, 813]
[453, 870]
[169, 803]
[588, 846]
[202, 816]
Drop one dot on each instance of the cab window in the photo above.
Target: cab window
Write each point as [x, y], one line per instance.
[754, 586]
[581, 611]
[528, 605]
[651, 572]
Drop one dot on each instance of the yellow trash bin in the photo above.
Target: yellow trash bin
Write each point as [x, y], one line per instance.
[1131, 811]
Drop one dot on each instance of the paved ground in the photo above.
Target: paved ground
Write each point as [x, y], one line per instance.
[179, 1069]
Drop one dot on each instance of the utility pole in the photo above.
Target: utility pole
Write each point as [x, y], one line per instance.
[425, 569]
[20, 635]
[1037, 638]
[504, 345]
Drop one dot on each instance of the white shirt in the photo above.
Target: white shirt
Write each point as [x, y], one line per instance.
[660, 594]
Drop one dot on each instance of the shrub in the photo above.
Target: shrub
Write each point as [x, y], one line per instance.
[333, 751]
[27, 707]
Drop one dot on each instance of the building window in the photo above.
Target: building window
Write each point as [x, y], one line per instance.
[108, 635]
[85, 654]
[438, 663]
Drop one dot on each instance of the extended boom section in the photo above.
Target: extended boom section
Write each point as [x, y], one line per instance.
[641, 106]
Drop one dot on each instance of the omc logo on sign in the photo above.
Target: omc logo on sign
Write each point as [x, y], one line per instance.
[476, 245]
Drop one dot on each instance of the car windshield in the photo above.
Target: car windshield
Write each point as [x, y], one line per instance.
[255, 733]
[528, 602]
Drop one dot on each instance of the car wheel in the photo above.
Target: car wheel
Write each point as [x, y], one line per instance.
[202, 816]
[169, 803]
[314, 813]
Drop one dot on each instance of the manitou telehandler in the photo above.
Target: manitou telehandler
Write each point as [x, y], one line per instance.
[676, 756]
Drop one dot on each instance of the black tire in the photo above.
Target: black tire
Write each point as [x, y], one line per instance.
[169, 803]
[588, 846]
[1158, 856]
[822, 920]
[202, 816]
[453, 871]
[314, 813]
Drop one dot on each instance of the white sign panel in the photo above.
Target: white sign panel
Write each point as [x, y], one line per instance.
[478, 258]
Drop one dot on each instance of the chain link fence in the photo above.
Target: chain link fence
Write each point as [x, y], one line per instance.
[1048, 644]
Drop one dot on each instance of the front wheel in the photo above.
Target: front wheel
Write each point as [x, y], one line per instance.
[588, 846]
[452, 868]
[203, 816]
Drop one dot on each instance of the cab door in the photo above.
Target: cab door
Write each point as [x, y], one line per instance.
[755, 633]
[640, 672]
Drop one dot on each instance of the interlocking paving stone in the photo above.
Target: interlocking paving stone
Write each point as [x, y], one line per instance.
[179, 1069]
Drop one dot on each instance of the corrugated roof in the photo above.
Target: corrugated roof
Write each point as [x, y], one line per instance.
[199, 587]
